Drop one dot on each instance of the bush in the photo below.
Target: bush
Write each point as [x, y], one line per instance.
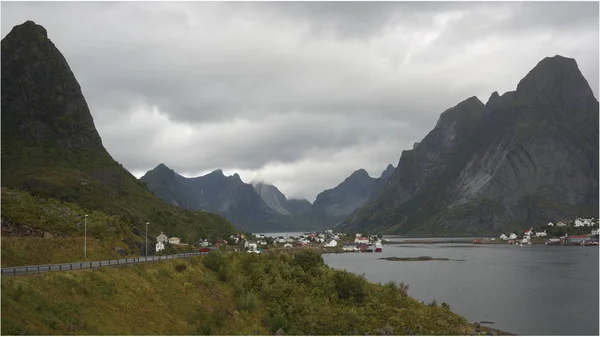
[308, 260]
[349, 286]
[247, 301]
[181, 267]
[214, 261]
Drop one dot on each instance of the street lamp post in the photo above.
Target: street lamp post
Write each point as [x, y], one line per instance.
[85, 236]
[147, 223]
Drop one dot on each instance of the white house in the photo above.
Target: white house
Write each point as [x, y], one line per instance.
[595, 231]
[512, 236]
[332, 243]
[287, 245]
[361, 240]
[204, 243]
[160, 246]
[358, 235]
[541, 234]
[503, 237]
[162, 238]
[550, 224]
[579, 223]
[528, 232]
[174, 240]
[252, 246]
[561, 224]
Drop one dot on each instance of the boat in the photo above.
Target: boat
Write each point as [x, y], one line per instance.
[590, 243]
[378, 247]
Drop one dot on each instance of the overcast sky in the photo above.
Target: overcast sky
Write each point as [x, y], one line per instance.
[302, 93]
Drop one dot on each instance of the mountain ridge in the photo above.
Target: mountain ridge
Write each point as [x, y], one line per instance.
[529, 156]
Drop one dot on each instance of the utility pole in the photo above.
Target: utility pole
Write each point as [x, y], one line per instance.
[85, 237]
[147, 223]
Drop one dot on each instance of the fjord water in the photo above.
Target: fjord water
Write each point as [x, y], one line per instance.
[530, 290]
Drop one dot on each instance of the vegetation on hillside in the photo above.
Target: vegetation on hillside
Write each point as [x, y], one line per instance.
[27, 218]
[218, 294]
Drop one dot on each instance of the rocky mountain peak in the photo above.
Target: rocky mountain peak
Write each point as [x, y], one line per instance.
[556, 79]
[465, 109]
[359, 174]
[387, 173]
[42, 102]
[28, 31]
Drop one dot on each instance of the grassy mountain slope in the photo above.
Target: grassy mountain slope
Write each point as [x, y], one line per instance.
[51, 149]
[231, 294]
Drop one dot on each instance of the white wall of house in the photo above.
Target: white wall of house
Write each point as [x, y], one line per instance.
[162, 238]
[332, 243]
[174, 240]
[160, 246]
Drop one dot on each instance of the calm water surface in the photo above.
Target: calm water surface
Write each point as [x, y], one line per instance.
[530, 290]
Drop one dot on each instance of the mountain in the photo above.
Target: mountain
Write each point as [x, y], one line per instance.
[252, 208]
[524, 158]
[334, 204]
[271, 195]
[51, 148]
[260, 207]
[298, 206]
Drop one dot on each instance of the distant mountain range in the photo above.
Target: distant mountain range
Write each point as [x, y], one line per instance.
[522, 159]
[258, 206]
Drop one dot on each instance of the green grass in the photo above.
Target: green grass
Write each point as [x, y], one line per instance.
[218, 294]
[25, 219]
[90, 178]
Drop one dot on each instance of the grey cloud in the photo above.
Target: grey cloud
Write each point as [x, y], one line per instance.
[303, 91]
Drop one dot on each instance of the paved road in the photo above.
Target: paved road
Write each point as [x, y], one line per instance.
[24, 270]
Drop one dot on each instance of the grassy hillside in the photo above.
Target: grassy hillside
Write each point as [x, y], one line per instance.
[27, 218]
[218, 294]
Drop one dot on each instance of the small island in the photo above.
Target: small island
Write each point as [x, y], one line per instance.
[420, 258]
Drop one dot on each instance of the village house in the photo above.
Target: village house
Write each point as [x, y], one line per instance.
[503, 237]
[287, 245]
[162, 238]
[360, 240]
[579, 223]
[174, 240]
[528, 232]
[561, 224]
[349, 247]
[332, 243]
[577, 239]
[541, 233]
[358, 235]
[595, 231]
[512, 236]
[550, 224]
[160, 246]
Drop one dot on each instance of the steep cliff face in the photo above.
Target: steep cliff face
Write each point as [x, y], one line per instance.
[271, 195]
[527, 157]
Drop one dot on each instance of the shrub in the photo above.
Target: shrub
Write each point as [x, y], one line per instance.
[214, 261]
[349, 286]
[247, 301]
[308, 260]
[180, 267]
